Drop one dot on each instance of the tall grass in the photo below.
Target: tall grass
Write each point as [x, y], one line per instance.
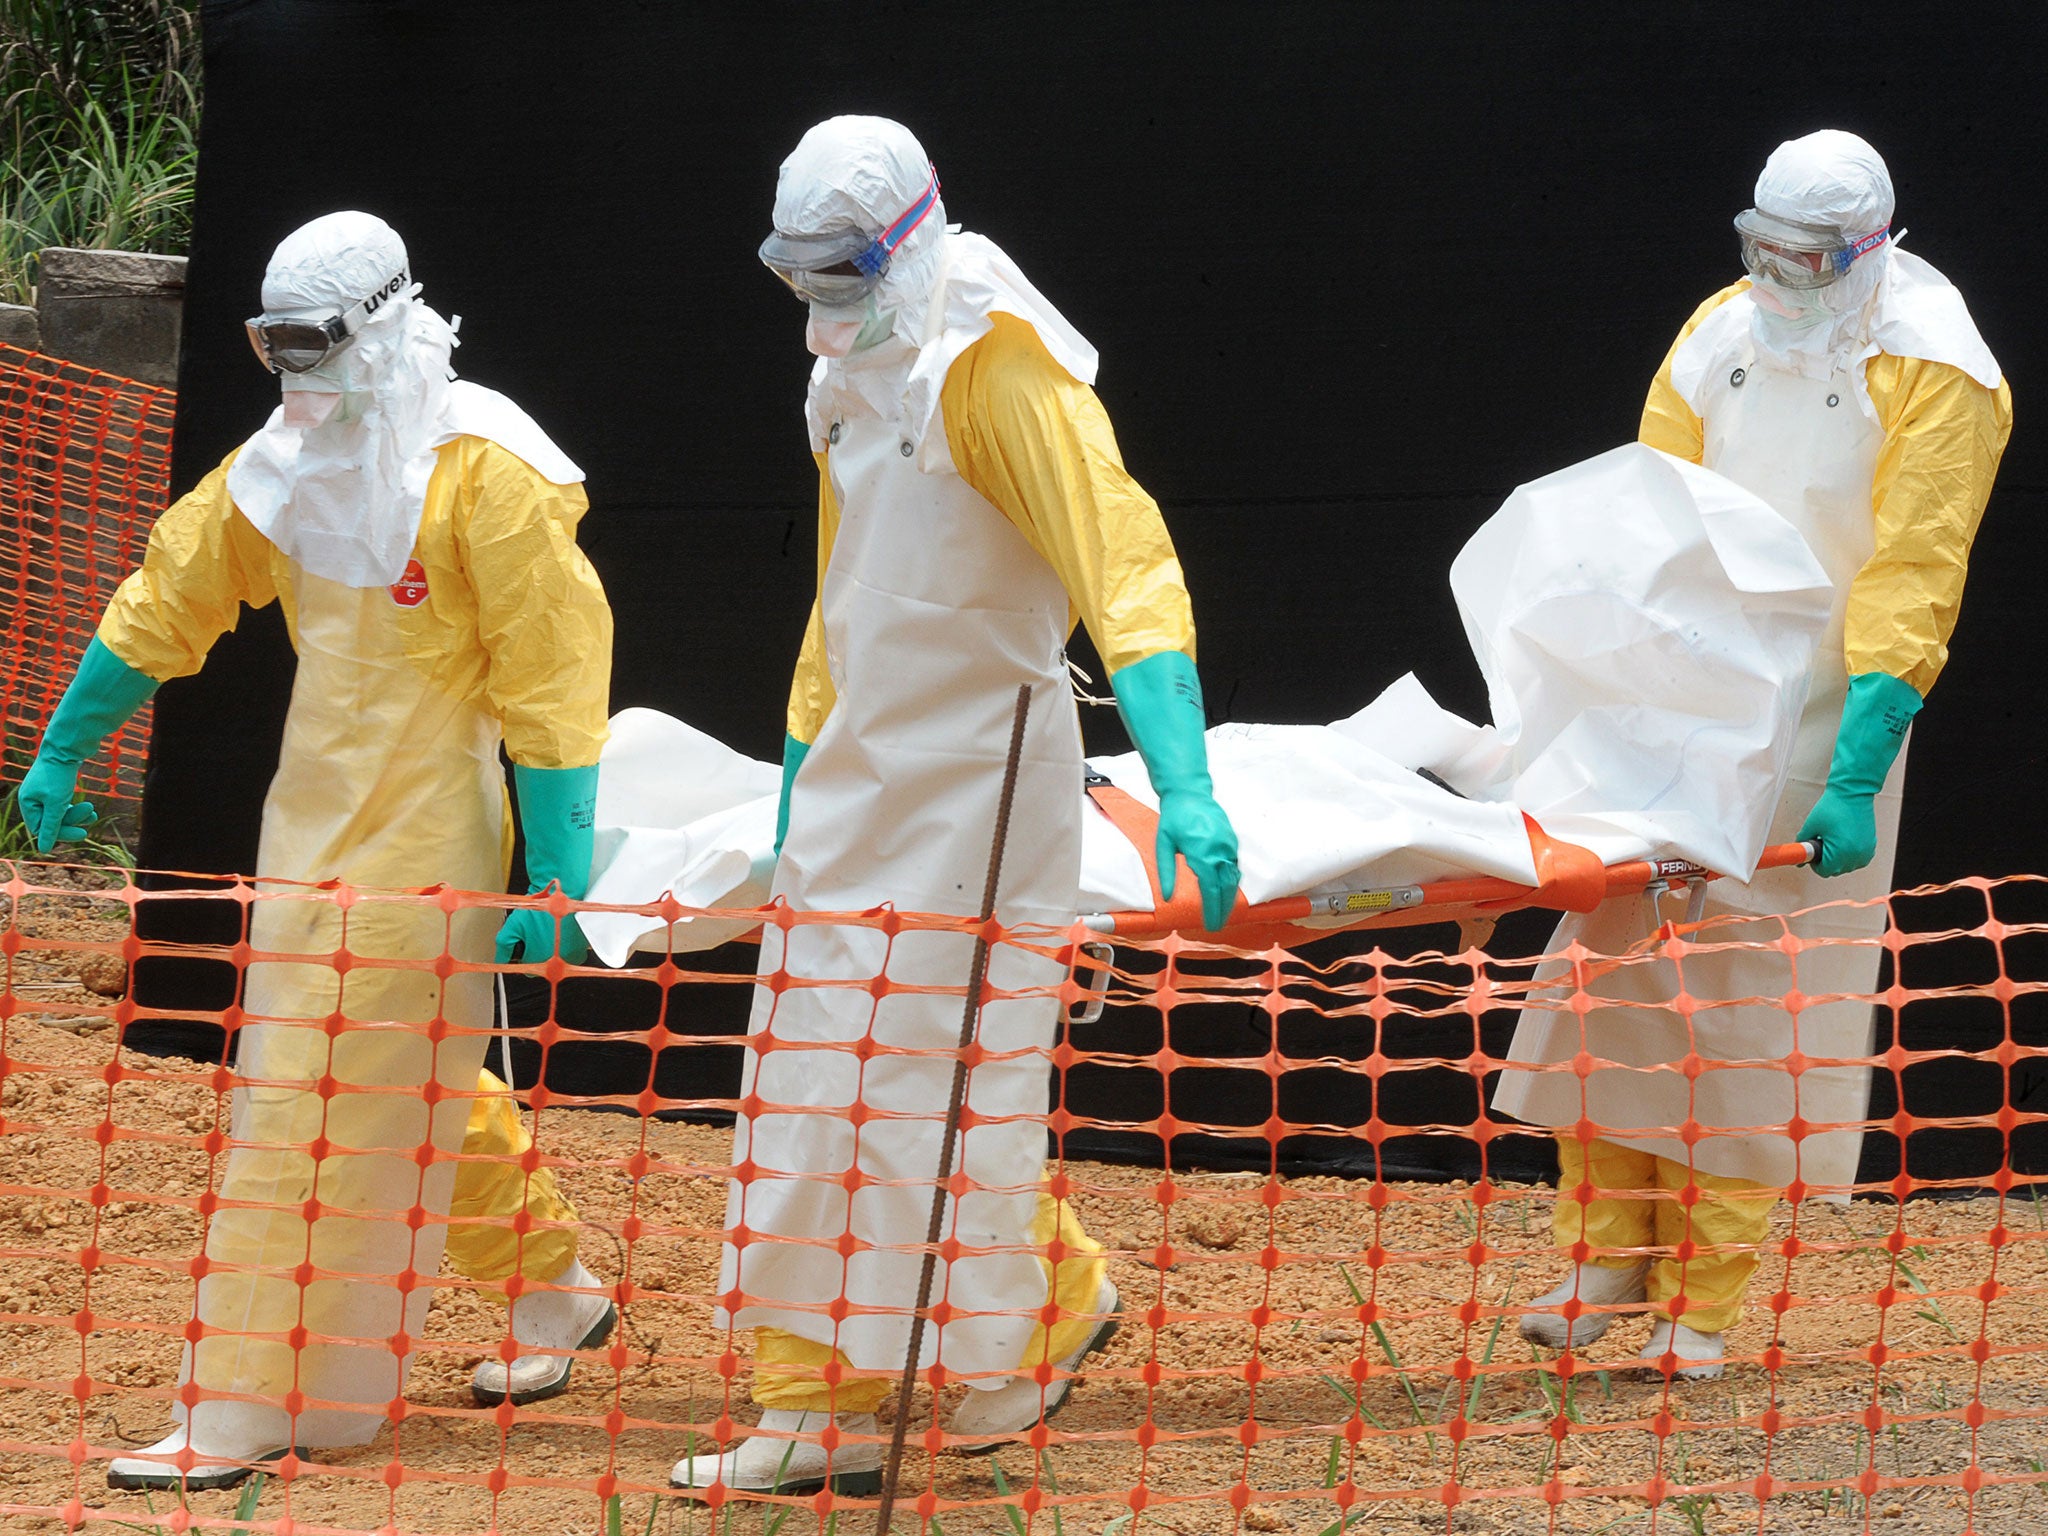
[99, 109]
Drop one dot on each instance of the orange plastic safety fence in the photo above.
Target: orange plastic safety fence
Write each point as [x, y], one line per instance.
[1305, 1354]
[85, 462]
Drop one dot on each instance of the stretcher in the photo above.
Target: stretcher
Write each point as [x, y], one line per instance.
[1645, 630]
[1570, 879]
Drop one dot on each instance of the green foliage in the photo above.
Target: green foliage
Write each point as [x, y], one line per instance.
[99, 108]
[245, 1505]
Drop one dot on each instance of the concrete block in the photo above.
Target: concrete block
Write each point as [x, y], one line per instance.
[114, 310]
[18, 326]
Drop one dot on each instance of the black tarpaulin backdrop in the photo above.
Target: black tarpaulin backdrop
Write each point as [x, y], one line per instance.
[1354, 273]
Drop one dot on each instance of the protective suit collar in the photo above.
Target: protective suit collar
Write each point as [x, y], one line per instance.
[291, 498]
[1920, 313]
[972, 281]
[1915, 312]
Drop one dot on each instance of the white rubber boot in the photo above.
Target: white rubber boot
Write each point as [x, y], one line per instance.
[989, 1418]
[225, 1442]
[785, 1456]
[1683, 1353]
[581, 1317]
[1590, 1285]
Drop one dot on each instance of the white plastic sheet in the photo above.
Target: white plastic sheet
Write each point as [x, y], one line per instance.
[1646, 630]
[679, 814]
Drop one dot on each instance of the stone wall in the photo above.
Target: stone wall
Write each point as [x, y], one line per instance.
[118, 311]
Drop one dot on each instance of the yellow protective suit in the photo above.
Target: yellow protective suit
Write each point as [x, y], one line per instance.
[388, 778]
[1037, 444]
[1943, 435]
[1645, 1214]
[484, 1240]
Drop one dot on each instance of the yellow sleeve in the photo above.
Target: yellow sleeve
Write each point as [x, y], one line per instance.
[1668, 422]
[542, 617]
[1943, 436]
[1037, 443]
[204, 561]
[811, 695]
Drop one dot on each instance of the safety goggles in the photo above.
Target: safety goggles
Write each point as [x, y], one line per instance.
[1793, 255]
[300, 346]
[842, 267]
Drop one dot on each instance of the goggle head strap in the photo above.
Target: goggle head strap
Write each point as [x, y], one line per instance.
[875, 259]
[1843, 259]
[358, 314]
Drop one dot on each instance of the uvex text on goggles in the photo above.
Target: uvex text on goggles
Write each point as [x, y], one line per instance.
[842, 267]
[299, 346]
[1794, 255]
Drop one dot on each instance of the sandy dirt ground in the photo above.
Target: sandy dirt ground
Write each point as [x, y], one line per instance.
[1315, 1353]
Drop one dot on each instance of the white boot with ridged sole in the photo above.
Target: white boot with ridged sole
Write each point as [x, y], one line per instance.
[1682, 1353]
[227, 1441]
[786, 1454]
[1591, 1285]
[578, 1316]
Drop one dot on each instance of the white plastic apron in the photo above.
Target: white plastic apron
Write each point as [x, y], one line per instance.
[1804, 446]
[935, 610]
[383, 781]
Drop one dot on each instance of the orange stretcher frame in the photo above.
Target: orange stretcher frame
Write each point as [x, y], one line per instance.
[1569, 879]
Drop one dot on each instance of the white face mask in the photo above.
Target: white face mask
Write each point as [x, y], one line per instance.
[1793, 310]
[309, 408]
[832, 332]
[830, 338]
[326, 393]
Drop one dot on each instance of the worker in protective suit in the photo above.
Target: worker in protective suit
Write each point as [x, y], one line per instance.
[419, 534]
[1843, 382]
[971, 504]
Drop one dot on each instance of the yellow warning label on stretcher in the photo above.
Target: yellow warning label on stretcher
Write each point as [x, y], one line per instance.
[1365, 901]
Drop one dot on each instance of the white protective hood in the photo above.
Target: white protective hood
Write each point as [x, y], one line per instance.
[1829, 180]
[941, 292]
[1888, 301]
[343, 500]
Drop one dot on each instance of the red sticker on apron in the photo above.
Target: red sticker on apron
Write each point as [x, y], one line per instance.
[410, 590]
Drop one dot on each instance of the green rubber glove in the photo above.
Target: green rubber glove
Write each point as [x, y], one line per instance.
[103, 693]
[1160, 699]
[1874, 721]
[558, 814]
[793, 754]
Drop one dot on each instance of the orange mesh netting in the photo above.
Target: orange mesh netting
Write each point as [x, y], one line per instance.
[1296, 1353]
[85, 462]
